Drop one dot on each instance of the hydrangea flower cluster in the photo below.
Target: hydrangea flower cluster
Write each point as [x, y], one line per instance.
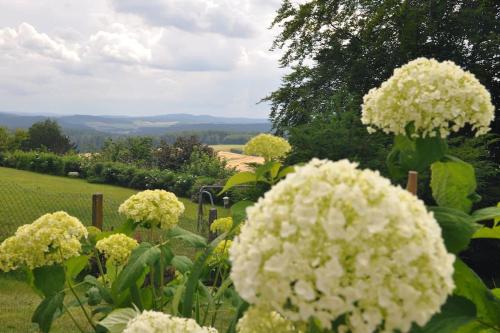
[258, 320]
[220, 255]
[332, 240]
[117, 248]
[223, 224]
[436, 97]
[268, 146]
[154, 207]
[50, 239]
[158, 322]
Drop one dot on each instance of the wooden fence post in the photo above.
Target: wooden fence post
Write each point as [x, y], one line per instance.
[212, 216]
[412, 183]
[97, 210]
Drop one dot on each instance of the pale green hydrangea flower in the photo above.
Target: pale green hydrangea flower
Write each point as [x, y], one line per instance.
[156, 207]
[258, 320]
[438, 98]
[223, 224]
[117, 248]
[268, 146]
[332, 240]
[50, 239]
[220, 255]
[158, 322]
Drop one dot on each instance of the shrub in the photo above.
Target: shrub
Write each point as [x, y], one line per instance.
[72, 163]
[203, 164]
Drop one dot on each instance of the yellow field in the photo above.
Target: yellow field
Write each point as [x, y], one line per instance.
[218, 148]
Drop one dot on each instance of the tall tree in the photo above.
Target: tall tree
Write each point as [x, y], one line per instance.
[354, 45]
[48, 135]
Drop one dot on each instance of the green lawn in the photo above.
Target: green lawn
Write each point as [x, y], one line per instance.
[24, 196]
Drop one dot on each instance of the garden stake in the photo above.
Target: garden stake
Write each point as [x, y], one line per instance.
[411, 185]
[97, 206]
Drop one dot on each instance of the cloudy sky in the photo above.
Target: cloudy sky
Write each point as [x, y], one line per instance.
[137, 57]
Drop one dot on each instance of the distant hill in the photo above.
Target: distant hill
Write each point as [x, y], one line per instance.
[148, 125]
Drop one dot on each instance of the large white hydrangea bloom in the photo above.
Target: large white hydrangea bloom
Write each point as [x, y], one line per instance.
[158, 322]
[333, 240]
[50, 239]
[156, 207]
[437, 97]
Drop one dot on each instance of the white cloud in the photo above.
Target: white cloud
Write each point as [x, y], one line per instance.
[106, 58]
[122, 45]
[26, 38]
[226, 17]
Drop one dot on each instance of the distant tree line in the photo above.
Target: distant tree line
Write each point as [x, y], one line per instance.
[92, 141]
[44, 136]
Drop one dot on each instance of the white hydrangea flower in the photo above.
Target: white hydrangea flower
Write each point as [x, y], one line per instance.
[158, 322]
[436, 97]
[117, 248]
[258, 320]
[50, 239]
[268, 146]
[332, 240]
[156, 207]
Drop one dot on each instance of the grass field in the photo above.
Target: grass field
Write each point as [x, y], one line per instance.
[24, 196]
[227, 147]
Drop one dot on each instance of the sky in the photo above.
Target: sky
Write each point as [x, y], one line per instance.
[138, 57]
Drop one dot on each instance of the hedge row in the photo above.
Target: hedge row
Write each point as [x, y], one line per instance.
[105, 172]
[41, 162]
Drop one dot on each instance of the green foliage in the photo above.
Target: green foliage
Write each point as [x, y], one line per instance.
[49, 279]
[418, 154]
[355, 52]
[483, 153]
[453, 184]
[138, 178]
[175, 156]
[208, 165]
[75, 266]
[46, 312]
[135, 150]
[143, 256]
[457, 227]
[457, 312]
[117, 320]
[470, 286]
[337, 137]
[47, 135]
[41, 162]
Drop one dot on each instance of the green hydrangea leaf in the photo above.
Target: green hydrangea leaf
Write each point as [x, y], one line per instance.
[238, 179]
[75, 265]
[453, 184]
[239, 211]
[488, 213]
[456, 226]
[455, 313]
[486, 232]
[140, 259]
[192, 239]
[182, 263]
[470, 286]
[49, 279]
[117, 320]
[414, 154]
[47, 311]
